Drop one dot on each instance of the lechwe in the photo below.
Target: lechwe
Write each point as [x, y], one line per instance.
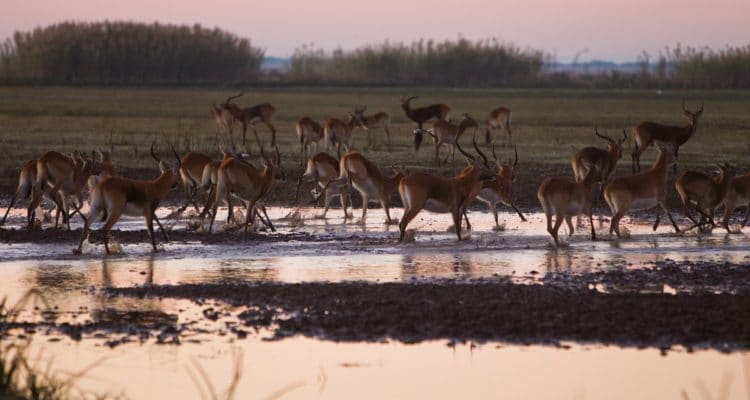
[370, 182]
[323, 169]
[192, 165]
[309, 133]
[445, 133]
[601, 162]
[339, 133]
[380, 120]
[704, 192]
[263, 112]
[439, 194]
[498, 118]
[421, 115]
[115, 196]
[60, 177]
[737, 195]
[26, 179]
[648, 133]
[498, 190]
[565, 198]
[641, 192]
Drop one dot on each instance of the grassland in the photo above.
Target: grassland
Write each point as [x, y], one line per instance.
[545, 122]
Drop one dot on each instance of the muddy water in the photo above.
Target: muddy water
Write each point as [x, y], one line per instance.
[304, 368]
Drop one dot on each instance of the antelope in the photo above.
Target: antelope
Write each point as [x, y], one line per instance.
[309, 132]
[338, 132]
[600, 161]
[324, 170]
[706, 192]
[737, 195]
[263, 112]
[424, 114]
[223, 121]
[380, 120]
[192, 165]
[566, 197]
[65, 176]
[239, 178]
[114, 196]
[641, 191]
[499, 190]
[498, 118]
[104, 167]
[26, 180]
[444, 133]
[648, 133]
[370, 181]
[421, 190]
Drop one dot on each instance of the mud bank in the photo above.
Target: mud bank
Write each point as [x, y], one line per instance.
[477, 311]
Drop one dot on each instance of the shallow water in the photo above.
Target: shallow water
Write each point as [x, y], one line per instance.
[304, 368]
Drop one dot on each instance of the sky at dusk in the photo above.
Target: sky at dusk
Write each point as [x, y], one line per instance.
[596, 29]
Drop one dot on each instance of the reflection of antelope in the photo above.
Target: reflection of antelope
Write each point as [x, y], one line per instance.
[445, 133]
[707, 193]
[737, 195]
[498, 118]
[648, 133]
[309, 132]
[115, 196]
[323, 169]
[566, 198]
[338, 132]
[370, 181]
[423, 114]
[369, 122]
[498, 190]
[641, 192]
[263, 112]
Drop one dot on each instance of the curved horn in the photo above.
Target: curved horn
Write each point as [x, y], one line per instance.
[278, 156]
[624, 137]
[515, 151]
[607, 138]
[467, 155]
[474, 142]
[683, 106]
[230, 98]
[409, 99]
[493, 151]
[154, 154]
[177, 156]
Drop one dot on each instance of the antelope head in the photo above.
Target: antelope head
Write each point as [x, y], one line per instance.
[614, 147]
[692, 116]
[171, 172]
[507, 169]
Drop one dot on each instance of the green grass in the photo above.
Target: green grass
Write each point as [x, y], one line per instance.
[546, 122]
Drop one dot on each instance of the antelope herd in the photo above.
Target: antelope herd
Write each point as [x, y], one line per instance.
[62, 178]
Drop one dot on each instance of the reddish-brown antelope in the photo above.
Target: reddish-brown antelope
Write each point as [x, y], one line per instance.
[263, 113]
[498, 190]
[648, 133]
[439, 194]
[370, 182]
[600, 161]
[26, 179]
[445, 133]
[380, 120]
[565, 198]
[104, 167]
[323, 169]
[309, 133]
[641, 192]
[239, 178]
[498, 118]
[737, 195]
[60, 177]
[114, 196]
[704, 192]
[339, 133]
[423, 114]
[192, 165]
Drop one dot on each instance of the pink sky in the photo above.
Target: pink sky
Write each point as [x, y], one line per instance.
[609, 29]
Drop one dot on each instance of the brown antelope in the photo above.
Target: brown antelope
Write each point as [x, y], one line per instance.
[707, 193]
[369, 181]
[641, 192]
[250, 116]
[498, 190]
[565, 198]
[498, 118]
[338, 132]
[424, 114]
[64, 177]
[309, 132]
[114, 196]
[239, 178]
[737, 195]
[223, 121]
[648, 133]
[421, 190]
[104, 167]
[445, 133]
[26, 180]
[600, 161]
[380, 120]
[323, 169]
[191, 174]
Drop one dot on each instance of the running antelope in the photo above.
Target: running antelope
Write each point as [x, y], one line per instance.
[192, 165]
[423, 114]
[565, 198]
[642, 191]
[370, 182]
[380, 120]
[706, 193]
[338, 132]
[738, 195]
[60, 177]
[239, 178]
[114, 196]
[263, 112]
[445, 133]
[498, 190]
[439, 194]
[324, 170]
[498, 118]
[648, 133]
[600, 162]
[309, 132]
